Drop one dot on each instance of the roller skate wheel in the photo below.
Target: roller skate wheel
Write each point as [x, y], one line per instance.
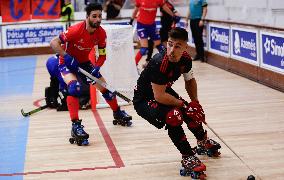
[85, 142]
[79, 142]
[114, 122]
[195, 175]
[182, 172]
[199, 151]
[209, 153]
[129, 123]
[71, 140]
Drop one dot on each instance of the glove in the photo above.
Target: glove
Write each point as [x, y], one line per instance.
[176, 19]
[71, 62]
[96, 71]
[194, 111]
[131, 21]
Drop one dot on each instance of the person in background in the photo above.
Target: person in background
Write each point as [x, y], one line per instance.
[145, 11]
[112, 8]
[196, 14]
[67, 13]
[56, 93]
[157, 102]
[167, 23]
[74, 46]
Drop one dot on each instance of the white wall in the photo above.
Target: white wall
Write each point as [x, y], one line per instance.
[260, 12]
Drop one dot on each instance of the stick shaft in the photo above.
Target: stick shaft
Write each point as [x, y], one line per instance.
[212, 130]
[105, 85]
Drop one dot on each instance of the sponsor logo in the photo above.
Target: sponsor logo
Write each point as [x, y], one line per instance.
[242, 43]
[273, 48]
[217, 37]
[237, 43]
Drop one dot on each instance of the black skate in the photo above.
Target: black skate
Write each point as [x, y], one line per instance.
[208, 147]
[122, 118]
[78, 135]
[193, 167]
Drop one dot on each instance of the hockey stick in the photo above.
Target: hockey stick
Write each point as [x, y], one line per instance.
[105, 85]
[25, 114]
[212, 130]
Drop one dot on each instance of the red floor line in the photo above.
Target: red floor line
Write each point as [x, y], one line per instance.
[111, 147]
[57, 171]
[113, 151]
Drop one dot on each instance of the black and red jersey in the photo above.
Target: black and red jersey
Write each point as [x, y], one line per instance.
[160, 71]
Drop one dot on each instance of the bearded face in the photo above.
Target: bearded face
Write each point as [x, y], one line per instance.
[95, 19]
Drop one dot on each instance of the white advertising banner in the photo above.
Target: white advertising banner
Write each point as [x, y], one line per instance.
[30, 35]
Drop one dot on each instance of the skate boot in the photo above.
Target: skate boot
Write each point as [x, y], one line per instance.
[78, 135]
[121, 118]
[192, 166]
[208, 147]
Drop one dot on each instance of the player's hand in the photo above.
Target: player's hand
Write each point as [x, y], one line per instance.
[176, 19]
[96, 71]
[201, 23]
[194, 111]
[71, 62]
[131, 21]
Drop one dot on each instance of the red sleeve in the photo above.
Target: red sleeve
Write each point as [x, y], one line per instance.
[68, 35]
[101, 46]
[162, 2]
[102, 39]
[137, 3]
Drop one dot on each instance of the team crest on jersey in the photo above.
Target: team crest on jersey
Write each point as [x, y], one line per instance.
[81, 40]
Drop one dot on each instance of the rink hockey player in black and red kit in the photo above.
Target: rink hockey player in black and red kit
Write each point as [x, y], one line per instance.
[160, 105]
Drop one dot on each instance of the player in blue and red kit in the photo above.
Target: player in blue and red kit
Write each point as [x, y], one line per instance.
[74, 46]
[146, 11]
[56, 93]
[157, 102]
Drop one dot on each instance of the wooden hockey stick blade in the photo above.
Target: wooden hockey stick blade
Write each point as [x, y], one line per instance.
[105, 85]
[26, 114]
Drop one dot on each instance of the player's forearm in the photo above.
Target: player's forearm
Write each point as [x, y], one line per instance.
[191, 89]
[100, 61]
[118, 7]
[167, 99]
[56, 46]
[134, 14]
[167, 9]
[204, 12]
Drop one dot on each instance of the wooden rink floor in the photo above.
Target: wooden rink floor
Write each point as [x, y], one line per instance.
[248, 116]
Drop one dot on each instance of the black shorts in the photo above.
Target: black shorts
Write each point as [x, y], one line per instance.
[154, 112]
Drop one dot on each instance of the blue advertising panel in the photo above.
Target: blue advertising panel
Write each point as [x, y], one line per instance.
[30, 35]
[272, 51]
[245, 45]
[219, 41]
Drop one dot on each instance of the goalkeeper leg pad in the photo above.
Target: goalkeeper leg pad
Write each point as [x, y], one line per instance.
[74, 88]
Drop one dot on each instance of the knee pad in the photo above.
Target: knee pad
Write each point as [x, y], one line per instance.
[143, 51]
[174, 117]
[160, 47]
[108, 95]
[74, 88]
